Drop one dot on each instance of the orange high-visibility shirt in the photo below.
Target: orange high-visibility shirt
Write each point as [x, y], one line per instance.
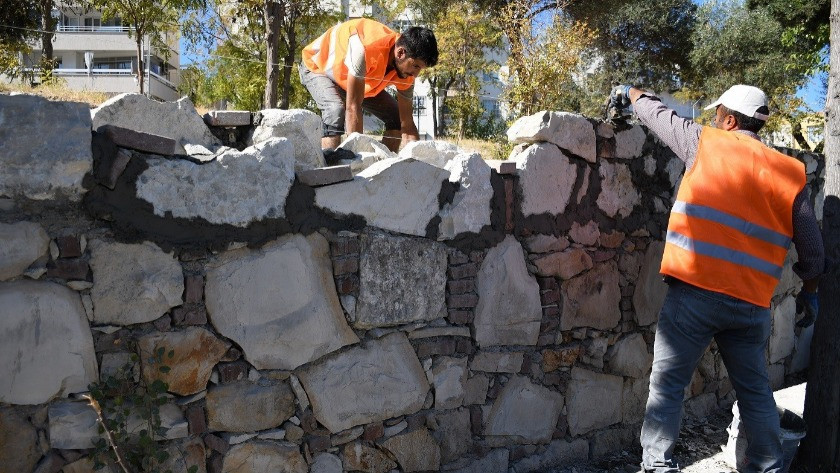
[326, 55]
[732, 223]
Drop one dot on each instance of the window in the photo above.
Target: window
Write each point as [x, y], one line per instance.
[490, 106]
[93, 22]
[112, 63]
[814, 134]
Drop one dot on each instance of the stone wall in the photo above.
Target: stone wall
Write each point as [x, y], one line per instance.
[422, 311]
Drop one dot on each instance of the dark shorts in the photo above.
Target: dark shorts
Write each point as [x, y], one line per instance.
[331, 99]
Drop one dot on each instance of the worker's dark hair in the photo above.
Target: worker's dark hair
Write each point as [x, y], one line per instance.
[420, 43]
[745, 122]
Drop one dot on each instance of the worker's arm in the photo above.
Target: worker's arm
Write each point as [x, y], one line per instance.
[353, 107]
[407, 127]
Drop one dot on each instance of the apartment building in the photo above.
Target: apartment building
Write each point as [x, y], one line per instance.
[96, 54]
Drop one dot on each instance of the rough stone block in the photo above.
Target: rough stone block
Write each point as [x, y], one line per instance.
[618, 193]
[497, 362]
[48, 156]
[196, 420]
[46, 339]
[325, 176]
[139, 141]
[547, 178]
[593, 400]
[449, 375]
[469, 210]
[265, 456]
[630, 357]
[19, 438]
[415, 451]
[524, 411]
[402, 281]
[377, 381]
[23, 243]
[592, 299]
[194, 352]
[650, 289]
[569, 131]
[502, 167]
[565, 264]
[244, 406]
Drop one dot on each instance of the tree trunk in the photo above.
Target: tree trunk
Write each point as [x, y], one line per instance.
[433, 91]
[47, 33]
[288, 63]
[141, 70]
[820, 450]
[272, 70]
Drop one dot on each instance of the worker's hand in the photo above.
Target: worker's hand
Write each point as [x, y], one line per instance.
[808, 303]
[620, 97]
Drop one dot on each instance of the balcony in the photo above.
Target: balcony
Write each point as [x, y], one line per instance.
[115, 81]
[92, 29]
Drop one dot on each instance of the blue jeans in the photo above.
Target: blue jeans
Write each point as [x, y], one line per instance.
[689, 319]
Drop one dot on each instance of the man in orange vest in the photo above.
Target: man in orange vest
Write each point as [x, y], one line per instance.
[739, 207]
[348, 68]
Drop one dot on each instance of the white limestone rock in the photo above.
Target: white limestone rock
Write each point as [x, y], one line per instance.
[415, 451]
[377, 381]
[400, 195]
[449, 376]
[237, 188]
[559, 452]
[569, 131]
[509, 311]
[630, 357]
[195, 351]
[301, 127]
[494, 462]
[359, 143]
[782, 337]
[23, 243]
[44, 148]
[470, 208]
[278, 302]
[586, 386]
[547, 178]
[524, 411]
[436, 153]
[19, 439]
[592, 299]
[618, 193]
[177, 120]
[650, 291]
[261, 456]
[326, 463]
[46, 342]
[359, 456]
[629, 143]
[453, 433]
[402, 280]
[802, 350]
[497, 362]
[789, 283]
[243, 406]
[133, 283]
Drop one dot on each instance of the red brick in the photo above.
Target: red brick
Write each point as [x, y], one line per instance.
[69, 246]
[230, 372]
[373, 431]
[463, 271]
[509, 226]
[546, 339]
[551, 311]
[71, 269]
[460, 316]
[465, 346]
[476, 420]
[163, 324]
[215, 443]
[547, 283]
[308, 422]
[345, 246]
[345, 265]
[191, 314]
[549, 324]
[461, 287]
[193, 289]
[461, 301]
[477, 256]
[550, 297]
[347, 284]
[442, 346]
[196, 420]
[318, 443]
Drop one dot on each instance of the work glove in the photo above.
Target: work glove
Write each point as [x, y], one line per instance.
[809, 304]
[620, 97]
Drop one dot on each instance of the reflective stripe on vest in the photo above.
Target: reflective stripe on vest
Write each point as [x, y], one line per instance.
[731, 225]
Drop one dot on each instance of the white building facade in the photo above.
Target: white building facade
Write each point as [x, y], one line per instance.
[98, 55]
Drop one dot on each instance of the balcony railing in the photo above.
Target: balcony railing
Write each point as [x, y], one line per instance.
[101, 73]
[92, 29]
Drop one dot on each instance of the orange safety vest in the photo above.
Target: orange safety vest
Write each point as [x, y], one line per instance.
[732, 223]
[326, 55]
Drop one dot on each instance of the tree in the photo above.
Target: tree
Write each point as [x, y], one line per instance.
[541, 56]
[821, 447]
[465, 36]
[22, 23]
[154, 19]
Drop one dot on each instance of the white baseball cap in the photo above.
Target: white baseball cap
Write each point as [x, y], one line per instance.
[745, 99]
